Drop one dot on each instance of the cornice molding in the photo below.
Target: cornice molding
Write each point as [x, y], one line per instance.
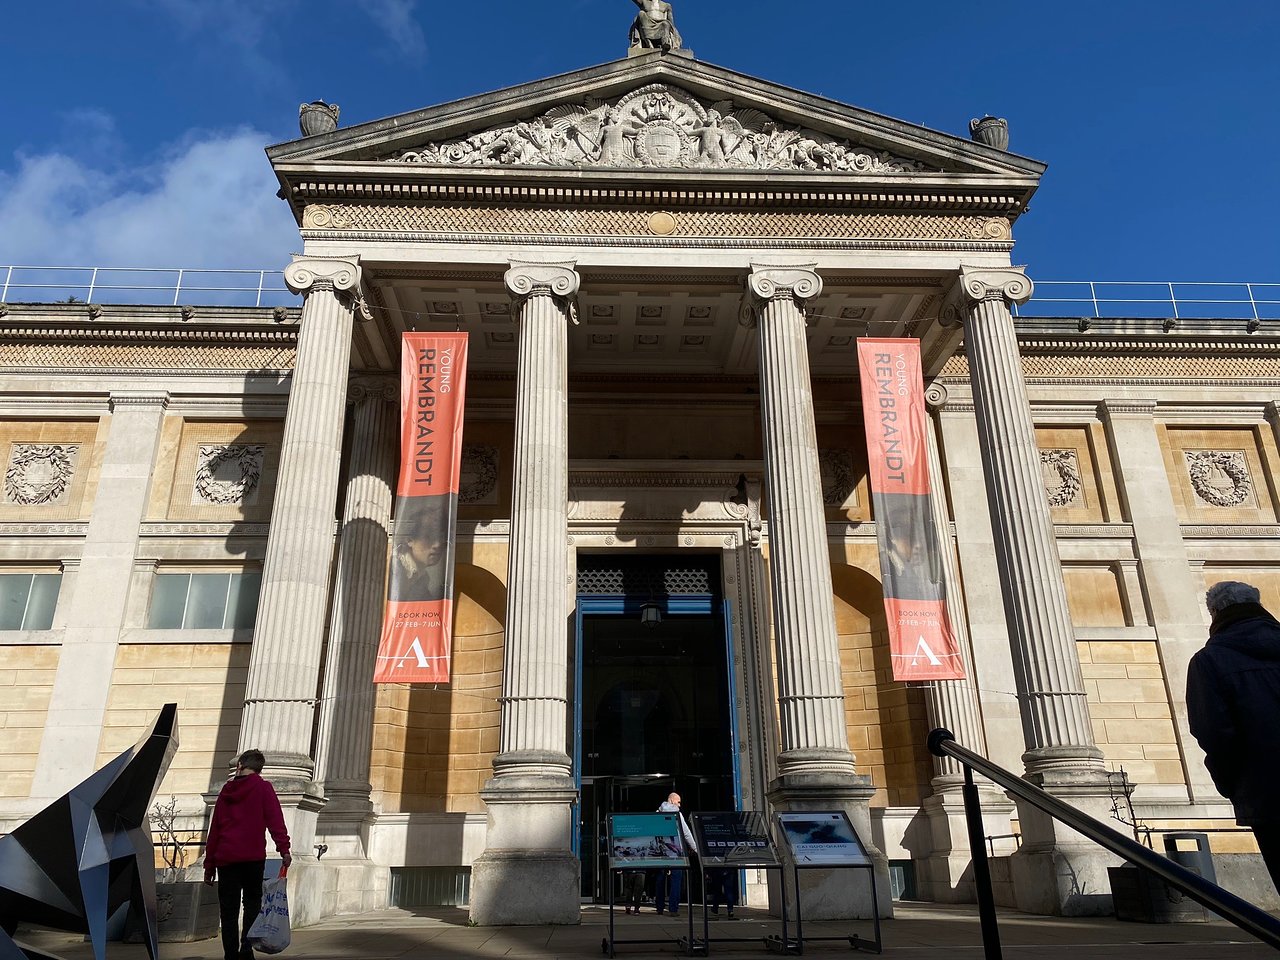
[139, 398]
[561, 188]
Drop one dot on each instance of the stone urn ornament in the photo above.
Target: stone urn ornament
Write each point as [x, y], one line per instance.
[317, 117]
[992, 131]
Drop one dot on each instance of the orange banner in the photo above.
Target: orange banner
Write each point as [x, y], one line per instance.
[416, 630]
[922, 644]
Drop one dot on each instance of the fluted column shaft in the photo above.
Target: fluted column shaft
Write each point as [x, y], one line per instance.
[345, 738]
[811, 695]
[284, 667]
[536, 662]
[1051, 693]
[952, 704]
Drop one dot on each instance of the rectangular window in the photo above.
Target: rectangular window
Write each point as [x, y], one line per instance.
[27, 600]
[204, 601]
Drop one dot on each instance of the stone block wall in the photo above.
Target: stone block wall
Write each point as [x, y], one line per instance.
[886, 720]
[26, 682]
[433, 749]
[206, 681]
[1129, 707]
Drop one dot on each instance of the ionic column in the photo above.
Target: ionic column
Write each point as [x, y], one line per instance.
[1055, 712]
[952, 704]
[284, 666]
[345, 738]
[815, 767]
[811, 694]
[1061, 755]
[946, 874]
[528, 873]
[95, 601]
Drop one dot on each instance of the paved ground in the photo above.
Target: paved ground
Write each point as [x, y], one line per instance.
[918, 931]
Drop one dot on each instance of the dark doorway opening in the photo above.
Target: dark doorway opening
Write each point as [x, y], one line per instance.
[654, 692]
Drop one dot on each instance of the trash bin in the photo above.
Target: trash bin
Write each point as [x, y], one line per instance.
[1200, 859]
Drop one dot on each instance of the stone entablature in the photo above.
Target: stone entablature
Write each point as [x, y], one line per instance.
[659, 126]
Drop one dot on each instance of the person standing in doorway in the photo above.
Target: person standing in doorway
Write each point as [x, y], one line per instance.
[667, 893]
[1233, 707]
[247, 809]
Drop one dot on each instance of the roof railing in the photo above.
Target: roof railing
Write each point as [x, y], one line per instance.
[1095, 299]
[150, 286]
[1135, 299]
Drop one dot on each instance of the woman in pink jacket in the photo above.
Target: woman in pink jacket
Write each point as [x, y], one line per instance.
[247, 809]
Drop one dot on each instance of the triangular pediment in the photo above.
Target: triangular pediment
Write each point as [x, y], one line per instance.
[658, 113]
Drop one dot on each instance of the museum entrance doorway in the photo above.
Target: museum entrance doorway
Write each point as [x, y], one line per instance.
[654, 684]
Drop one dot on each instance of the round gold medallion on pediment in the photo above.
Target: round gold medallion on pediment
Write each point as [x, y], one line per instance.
[662, 224]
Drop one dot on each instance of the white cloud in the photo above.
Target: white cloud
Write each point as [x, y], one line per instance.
[398, 20]
[210, 202]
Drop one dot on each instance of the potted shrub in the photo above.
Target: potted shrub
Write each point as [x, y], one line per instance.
[186, 909]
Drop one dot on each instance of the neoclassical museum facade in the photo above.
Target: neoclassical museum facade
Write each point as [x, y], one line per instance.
[666, 565]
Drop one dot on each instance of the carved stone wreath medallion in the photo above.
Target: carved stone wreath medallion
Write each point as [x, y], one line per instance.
[228, 474]
[39, 474]
[1061, 472]
[478, 482]
[1219, 477]
[836, 467]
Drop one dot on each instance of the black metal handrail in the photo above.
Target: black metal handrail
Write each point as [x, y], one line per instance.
[1243, 914]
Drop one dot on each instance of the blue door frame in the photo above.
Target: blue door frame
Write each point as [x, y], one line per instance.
[625, 605]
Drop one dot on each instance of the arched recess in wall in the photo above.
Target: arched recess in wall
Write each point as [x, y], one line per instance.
[886, 719]
[434, 747]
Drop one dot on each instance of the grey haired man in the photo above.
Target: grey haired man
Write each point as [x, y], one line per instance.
[1233, 705]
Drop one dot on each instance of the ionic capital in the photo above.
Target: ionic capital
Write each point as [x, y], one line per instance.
[377, 388]
[558, 280]
[799, 283]
[309, 274]
[766, 282]
[1008, 284]
[936, 395]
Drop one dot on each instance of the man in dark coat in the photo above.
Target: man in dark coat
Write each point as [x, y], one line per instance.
[1233, 705]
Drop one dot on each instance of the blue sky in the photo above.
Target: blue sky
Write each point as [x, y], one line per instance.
[134, 128]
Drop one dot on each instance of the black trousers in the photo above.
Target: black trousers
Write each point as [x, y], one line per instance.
[1268, 837]
[239, 883]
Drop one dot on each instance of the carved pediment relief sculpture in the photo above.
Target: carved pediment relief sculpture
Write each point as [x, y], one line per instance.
[659, 126]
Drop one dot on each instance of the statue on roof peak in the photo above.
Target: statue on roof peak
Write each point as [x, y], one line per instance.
[655, 27]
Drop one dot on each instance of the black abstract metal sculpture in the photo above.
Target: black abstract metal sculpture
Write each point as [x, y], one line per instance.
[84, 856]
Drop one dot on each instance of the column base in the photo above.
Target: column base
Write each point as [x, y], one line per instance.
[528, 873]
[946, 871]
[837, 894]
[1057, 871]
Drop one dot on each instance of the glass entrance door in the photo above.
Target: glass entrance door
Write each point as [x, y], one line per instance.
[652, 713]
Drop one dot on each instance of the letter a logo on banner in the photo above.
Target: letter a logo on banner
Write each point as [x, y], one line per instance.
[417, 629]
[921, 641]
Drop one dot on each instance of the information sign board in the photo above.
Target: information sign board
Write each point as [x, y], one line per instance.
[645, 840]
[739, 837]
[823, 838]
